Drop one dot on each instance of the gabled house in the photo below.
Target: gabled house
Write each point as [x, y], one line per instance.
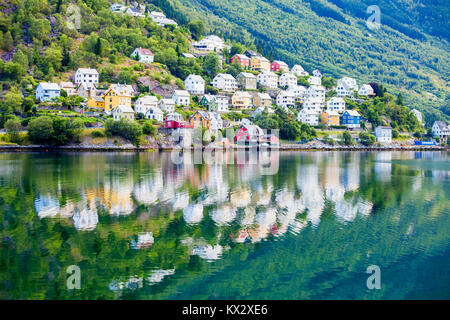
[261, 110]
[383, 134]
[287, 80]
[346, 86]
[118, 94]
[143, 104]
[118, 8]
[87, 76]
[366, 90]
[262, 100]
[314, 104]
[181, 97]
[215, 103]
[143, 55]
[158, 17]
[242, 59]
[286, 99]
[268, 79]
[195, 84]
[278, 65]
[225, 82]
[174, 120]
[299, 71]
[154, 113]
[351, 119]
[317, 73]
[123, 112]
[259, 63]
[440, 130]
[47, 91]
[96, 102]
[69, 87]
[336, 104]
[199, 119]
[299, 93]
[316, 92]
[215, 121]
[167, 105]
[248, 133]
[135, 12]
[331, 118]
[241, 100]
[247, 81]
[309, 117]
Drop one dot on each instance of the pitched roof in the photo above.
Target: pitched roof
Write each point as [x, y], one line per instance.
[49, 86]
[226, 76]
[181, 93]
[63, 84]
[124, 109]
[195, 77]
[353, 113]
[247, 75]
[441, 124]
[87, 70]
[144, 52]
[263, 95]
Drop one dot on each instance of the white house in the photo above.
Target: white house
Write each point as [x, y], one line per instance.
[313, 104]
[286, 99]
[167, 105]
[346, 86]
[383, 134]
[216, 122]
[195, 84]
[135, 12]
[315, 81]
[154, 113]
[143, 104]
[366, 90]
[299, 92]
[211, 43]
[309, 117]
[336, 104]
[87, 76]
[316, 92]
[268, 79]
[181, 97]
[47, 91]
[440, 130]
[158, 17]
[69, 87]
[225, 82]
[299, 71]
[288, 80]
[123, 112]
[143, 55]
[317, 73]
[220, 101]
[118, 7]
[260, 110]
[418, 115]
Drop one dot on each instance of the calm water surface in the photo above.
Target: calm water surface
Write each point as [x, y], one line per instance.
[140, 226]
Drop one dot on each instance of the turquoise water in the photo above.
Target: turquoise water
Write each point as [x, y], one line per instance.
[306, 225]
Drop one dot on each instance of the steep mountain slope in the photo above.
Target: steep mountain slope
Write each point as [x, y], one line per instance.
[332, 35]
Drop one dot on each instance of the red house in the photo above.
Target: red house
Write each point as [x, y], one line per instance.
[242, 59]
[279, 66]
[174, 121]
[248, 133]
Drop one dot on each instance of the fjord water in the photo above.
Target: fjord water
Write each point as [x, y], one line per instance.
[142, 226]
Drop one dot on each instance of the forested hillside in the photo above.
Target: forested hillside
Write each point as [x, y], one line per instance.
[410, 52]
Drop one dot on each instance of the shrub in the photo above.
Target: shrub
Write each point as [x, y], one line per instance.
[148, 128]
[97, 134]
[124, 128]
[40, 130]
[13, 128]
[367, 139]
[347, 139]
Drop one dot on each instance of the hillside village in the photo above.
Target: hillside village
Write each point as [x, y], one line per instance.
[237, 88]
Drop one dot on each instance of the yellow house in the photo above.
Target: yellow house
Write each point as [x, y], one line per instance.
[331, 118]
[118, 94]
[241, 100]
[96, 102]
[260, 64]
[262, 100]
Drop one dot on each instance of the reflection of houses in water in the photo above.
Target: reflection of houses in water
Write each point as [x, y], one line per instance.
[240, 198]
[117, 195]
[159, 275]
[265, 222]
[248, 218]
[208, 252]
[334, 190]
[223, 215]
[241, 236]
[180, 201]
[346, 210]
[146, 191]
[312, 193]
[364, 207]
[46, 206]
[132, 284]
[193, 213]
[383, 166]
[85, 219]
[262, 195]
[351, 172]
[144, 240]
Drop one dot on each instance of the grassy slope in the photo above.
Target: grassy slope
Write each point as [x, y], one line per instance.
[419, 69]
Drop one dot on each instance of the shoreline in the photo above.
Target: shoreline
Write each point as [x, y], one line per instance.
[36, 148]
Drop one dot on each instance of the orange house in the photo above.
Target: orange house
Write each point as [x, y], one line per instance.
[200, 119]
[331, 118]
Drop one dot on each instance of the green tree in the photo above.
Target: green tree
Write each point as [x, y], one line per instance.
[347, 139]
[7, 41]
[148, 128]
[367, 139]
[13, 127]
[40, 130]
[196, 28]
[212, 64]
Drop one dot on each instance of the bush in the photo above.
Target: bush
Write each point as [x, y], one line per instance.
[148, 128]
[97, 134]
[40, 130]
[55, 131]
[124, 128]
[13, 128]
[367, 139]
[347, 139]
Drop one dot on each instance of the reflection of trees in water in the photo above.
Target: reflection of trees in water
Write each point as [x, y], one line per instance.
[111, 199]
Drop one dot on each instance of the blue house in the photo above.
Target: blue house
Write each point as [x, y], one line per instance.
[47, 91]
[351, 119]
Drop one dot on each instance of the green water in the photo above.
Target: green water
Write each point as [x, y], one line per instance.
[140, 226]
